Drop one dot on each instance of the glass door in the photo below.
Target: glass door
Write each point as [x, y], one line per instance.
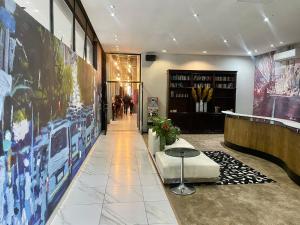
[124, 89]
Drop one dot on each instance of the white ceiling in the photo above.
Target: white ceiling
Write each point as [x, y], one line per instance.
[150, 25]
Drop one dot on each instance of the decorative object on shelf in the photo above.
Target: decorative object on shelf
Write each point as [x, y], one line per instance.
[199, 94]
[165, 130]
[195, 97]
[204, 106]
[201, 106]
[194, 94]
[217, 109]
[204, 98]
[210, 94]
[209, 97]
[197, 106]
[186, 102]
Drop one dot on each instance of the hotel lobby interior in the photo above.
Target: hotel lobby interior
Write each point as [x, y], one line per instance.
[140, 112]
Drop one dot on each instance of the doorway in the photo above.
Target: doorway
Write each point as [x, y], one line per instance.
[124, 92]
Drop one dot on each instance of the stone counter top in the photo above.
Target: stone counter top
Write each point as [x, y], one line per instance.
[277, 121]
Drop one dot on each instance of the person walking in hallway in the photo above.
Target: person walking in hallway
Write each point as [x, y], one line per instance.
[126, 101]
[131, 104]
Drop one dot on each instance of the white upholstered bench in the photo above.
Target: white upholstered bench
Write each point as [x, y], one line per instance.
[197, 169]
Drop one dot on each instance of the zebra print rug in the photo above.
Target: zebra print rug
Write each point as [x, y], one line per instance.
[234, 171]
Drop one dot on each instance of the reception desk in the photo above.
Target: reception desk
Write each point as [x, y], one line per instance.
[274, 139]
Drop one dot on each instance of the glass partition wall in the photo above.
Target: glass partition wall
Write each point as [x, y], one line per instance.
[123, 83]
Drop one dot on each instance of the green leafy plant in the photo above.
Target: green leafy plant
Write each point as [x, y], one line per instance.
[165, 130]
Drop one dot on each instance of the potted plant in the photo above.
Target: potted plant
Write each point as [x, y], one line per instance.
[166, 131]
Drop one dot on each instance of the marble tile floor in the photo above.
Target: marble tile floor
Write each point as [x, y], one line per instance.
[117, 185]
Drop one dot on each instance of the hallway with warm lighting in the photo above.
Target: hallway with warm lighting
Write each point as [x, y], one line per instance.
[117, 184]
[126, 123]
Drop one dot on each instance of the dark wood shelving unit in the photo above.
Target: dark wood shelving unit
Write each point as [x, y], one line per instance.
[181, 106]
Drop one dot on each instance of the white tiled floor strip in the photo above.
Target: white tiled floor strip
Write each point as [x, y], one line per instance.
[117, 185]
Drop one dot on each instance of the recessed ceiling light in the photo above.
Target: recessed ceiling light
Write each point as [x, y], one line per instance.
[225, 41]
[266, 19]
[255, 51]
[195, 15]
[204, 52]
[112, 14]
[112, 6]
[174, 39]
[249, 53]
[281, 42]
[272, 46]
[36, 10]
[164, 50]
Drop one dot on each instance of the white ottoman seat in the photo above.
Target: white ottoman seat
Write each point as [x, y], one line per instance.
[196, 169]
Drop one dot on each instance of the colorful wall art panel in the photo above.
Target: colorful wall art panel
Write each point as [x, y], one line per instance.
[277, 88]
[49, 117]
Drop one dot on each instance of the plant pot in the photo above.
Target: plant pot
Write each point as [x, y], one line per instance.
[201, 106]
[197, 107]
[205, 107]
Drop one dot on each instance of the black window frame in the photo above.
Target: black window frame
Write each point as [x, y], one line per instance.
[82, 18]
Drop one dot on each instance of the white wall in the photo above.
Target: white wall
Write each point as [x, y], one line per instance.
[154, 77]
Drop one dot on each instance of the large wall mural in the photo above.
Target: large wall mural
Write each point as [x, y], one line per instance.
[277, 88]
[49, 112]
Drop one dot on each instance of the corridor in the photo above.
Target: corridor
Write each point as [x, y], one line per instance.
[117, 185]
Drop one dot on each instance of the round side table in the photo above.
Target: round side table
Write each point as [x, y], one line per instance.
[182, 153]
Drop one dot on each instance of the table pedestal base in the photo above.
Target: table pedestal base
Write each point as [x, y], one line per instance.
[182, 189]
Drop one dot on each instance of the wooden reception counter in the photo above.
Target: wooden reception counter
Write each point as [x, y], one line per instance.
[277, 140]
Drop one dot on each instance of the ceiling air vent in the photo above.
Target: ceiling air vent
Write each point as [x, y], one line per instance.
[287, 55]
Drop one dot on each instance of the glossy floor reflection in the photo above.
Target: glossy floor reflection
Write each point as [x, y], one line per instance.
[117, 185]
